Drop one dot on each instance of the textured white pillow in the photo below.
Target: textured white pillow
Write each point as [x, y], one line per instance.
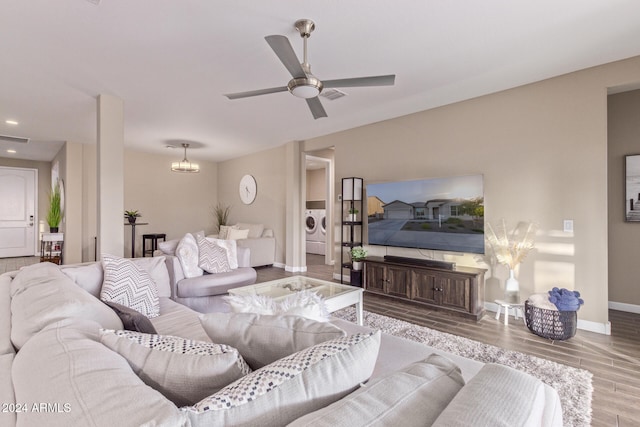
[157, 269]
[183, 370]
[283, 391]
[255, 230]
[169, 247]
[127, 284]
[237, 234]
[187, 253]
[231, 247]
[303, 303]
[224, 231]
[263, 339]
[211, 257]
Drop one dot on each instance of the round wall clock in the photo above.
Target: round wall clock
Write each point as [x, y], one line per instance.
[248, 189]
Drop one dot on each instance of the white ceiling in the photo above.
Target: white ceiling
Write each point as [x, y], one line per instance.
[171, 61]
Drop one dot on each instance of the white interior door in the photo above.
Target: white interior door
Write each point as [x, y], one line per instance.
[17, 212]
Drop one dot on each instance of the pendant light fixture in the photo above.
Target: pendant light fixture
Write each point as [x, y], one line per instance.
[185, 165]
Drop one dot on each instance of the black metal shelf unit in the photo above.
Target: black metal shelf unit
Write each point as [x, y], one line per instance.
[352, 214]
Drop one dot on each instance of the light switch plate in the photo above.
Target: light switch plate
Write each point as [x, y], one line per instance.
[567, 226]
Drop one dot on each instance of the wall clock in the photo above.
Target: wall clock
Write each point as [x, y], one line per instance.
[248, 189]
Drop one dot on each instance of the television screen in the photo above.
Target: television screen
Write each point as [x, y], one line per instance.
[444, 214]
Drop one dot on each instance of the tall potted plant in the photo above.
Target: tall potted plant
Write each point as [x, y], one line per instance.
[54, 215]
[132, 216]
[221, 214]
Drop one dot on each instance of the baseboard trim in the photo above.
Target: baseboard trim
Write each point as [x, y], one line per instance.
[345, 279]
[291, 269]
[278, 265]
[622, 306]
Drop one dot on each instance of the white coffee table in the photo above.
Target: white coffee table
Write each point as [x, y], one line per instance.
[336, 296]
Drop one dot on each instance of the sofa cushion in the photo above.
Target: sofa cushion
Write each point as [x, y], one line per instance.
[7, 397]
[89, 276]
[127, 284]
[169, 247]
[66, 364]
[5, 315]
[183, 370]
[497, 396]
[293, 386]
[131, 319]
[215, 284]
[255, 230]
[211, 257]
[237, 234]
[179, 320]
[42, 294]
[263, 339]
[413, 396]
[231, 247]
[187, 253]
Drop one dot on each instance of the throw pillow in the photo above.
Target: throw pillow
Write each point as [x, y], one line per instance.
[127, 284]
[169, 247]
[184, 371]
[132, 320]
[255, 230]
[212, 258]
[237, 234]
[224, 231]
[263, 339]
[231, 247]
[89, 277]
[187, 253]
[283, 391]
[157, 269]
[411, 397]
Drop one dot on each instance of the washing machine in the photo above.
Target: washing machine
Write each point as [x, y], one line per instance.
[315, 225]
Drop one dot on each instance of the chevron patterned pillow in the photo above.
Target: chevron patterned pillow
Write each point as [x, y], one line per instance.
[212, 258]
[127, 284]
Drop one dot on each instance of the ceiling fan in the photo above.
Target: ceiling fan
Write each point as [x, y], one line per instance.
[304, 84]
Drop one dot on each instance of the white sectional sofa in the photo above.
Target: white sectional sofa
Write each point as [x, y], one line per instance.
[59, 366]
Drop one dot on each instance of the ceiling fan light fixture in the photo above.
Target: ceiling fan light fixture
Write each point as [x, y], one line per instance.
[185, 165]
[307, 87]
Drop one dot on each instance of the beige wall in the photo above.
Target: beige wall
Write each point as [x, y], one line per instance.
[316, 184]
[268, 168]
[44, 182]
[624, 237]
[542, 149]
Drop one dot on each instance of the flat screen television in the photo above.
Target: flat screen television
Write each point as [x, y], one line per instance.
[445, 214]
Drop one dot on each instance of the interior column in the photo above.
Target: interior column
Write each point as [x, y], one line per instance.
[110, 175]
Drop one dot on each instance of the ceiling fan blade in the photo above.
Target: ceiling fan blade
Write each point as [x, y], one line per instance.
[316, 108]
[387, 80]
[282, 47]
[256, 92]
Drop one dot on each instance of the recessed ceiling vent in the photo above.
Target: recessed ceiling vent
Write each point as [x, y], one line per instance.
[18, 139]
[332, 94]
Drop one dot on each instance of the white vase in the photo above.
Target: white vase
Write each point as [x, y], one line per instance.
[357, 265]
[512, 288]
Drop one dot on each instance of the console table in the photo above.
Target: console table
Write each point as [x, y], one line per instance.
[459, 290]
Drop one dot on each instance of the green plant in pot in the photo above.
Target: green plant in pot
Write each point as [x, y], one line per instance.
[353, 214]
[54, 215]
[358, 254]
[131, 216]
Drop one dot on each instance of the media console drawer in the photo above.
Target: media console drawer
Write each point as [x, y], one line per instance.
[459, 290]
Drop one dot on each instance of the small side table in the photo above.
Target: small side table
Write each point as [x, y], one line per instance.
[505, 306]
[51, 247]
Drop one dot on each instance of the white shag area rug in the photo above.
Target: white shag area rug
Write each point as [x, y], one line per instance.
[572, 384]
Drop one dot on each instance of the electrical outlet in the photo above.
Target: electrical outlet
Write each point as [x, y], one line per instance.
[567, 226]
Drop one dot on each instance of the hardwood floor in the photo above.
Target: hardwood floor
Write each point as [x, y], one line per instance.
[614, 360]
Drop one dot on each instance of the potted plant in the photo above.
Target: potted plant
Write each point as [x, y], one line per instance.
[358, 254]
[221, 213]
[353, 214]
[54, 215]
[131, 216]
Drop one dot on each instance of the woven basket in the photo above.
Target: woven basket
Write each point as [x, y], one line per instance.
[551, 324]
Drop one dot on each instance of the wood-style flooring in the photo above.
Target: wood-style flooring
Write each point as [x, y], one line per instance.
[614, 360]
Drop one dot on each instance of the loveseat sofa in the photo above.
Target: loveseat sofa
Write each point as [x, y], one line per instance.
[64, 362]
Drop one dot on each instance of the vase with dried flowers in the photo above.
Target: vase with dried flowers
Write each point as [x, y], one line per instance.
[510, 248]
[221, 214]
